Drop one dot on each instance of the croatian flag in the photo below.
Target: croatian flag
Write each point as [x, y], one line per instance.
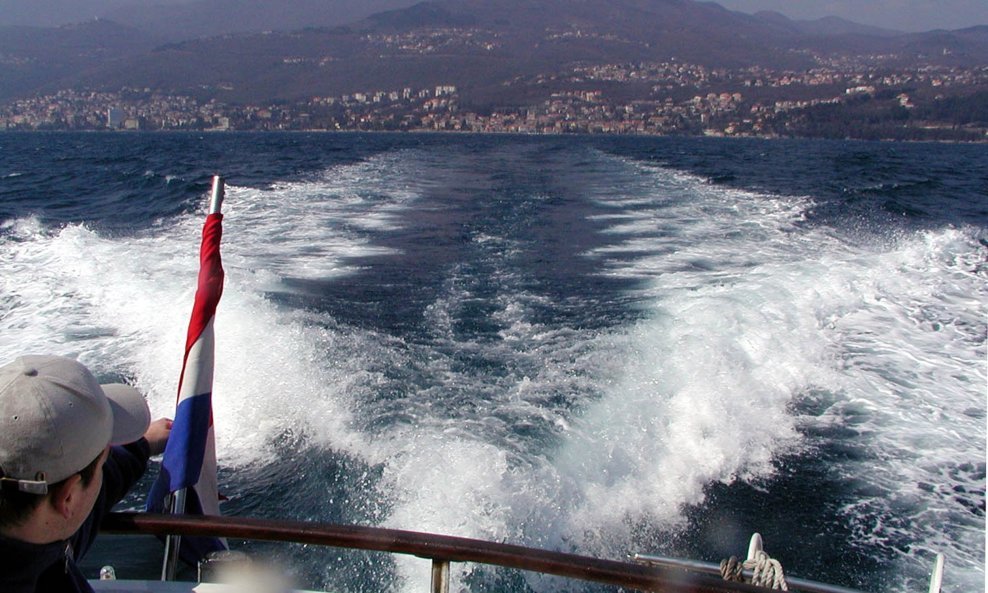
[189, 462]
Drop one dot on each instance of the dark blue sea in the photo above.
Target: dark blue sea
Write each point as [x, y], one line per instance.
[595, 345]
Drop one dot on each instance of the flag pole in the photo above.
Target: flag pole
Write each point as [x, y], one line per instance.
[173, 542]
[216, 198]
[176, 501]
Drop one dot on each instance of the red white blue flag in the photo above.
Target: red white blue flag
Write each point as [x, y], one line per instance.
[190, 456]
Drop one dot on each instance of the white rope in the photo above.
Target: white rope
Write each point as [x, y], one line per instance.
[767, 572]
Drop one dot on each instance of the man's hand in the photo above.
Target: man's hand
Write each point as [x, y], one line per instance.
[157, 435]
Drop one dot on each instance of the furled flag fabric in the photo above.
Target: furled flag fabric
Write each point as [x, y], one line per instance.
[190, 456]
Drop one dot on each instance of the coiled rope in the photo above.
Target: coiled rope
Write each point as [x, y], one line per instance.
[766, 571]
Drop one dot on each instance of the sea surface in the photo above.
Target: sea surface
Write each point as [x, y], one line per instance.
[595, 345]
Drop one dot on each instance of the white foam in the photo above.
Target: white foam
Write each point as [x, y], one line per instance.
[910, 348]
[311, 227]
[753, 308]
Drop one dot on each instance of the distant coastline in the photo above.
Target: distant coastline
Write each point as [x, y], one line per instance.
[974, 141]
[865, 113]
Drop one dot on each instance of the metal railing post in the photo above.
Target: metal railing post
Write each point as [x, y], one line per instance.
[440, 576]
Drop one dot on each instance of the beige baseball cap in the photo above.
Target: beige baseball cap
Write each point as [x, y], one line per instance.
[55, 419]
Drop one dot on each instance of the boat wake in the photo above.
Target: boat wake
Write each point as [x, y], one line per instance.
[749, 335]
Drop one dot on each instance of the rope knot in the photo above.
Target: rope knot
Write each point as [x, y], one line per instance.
[766, 571]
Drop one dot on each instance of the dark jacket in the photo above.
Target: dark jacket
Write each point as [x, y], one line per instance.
[51, 568]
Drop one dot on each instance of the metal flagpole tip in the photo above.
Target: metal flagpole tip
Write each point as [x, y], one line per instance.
[216, 201]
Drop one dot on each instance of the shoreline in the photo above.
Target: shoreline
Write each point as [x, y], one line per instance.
[534, 134]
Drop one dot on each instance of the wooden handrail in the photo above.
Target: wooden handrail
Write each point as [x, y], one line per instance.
[431, 546]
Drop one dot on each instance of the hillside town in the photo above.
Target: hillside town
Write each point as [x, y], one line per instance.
[644, 98]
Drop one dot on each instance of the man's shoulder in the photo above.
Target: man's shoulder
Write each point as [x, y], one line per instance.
[36, 568]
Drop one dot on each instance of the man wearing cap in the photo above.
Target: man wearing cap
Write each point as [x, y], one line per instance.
[62, 466]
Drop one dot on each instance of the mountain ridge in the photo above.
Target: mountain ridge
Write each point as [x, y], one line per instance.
[477, 45]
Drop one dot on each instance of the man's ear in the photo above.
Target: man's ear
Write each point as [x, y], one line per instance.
[63, 497]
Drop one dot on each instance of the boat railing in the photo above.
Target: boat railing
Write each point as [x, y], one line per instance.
[643, 572]
[440, 549]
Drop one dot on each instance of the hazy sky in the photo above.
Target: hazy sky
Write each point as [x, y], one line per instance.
[905, 15]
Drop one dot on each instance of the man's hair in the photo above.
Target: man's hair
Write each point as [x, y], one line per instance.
[17, 506]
